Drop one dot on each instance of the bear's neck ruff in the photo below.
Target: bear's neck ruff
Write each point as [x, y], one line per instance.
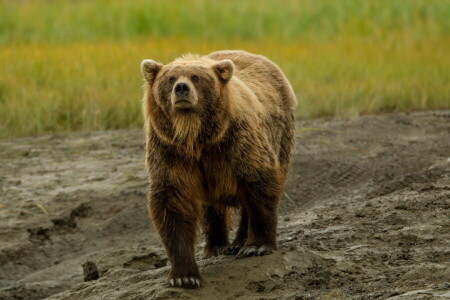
[185, 131]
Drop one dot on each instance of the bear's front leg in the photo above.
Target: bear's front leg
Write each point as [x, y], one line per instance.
[176, 222]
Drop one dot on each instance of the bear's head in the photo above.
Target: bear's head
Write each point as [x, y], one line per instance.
[185, 100]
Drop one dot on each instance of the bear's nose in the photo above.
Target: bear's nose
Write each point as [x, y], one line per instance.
[182, 89]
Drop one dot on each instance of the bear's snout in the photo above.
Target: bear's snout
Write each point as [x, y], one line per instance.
[182, 89]
[184, 95]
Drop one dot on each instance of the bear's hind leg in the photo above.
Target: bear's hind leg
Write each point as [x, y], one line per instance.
[241, 235]
[262, 207]
[215, 225]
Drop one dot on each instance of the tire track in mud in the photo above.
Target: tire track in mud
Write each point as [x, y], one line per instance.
[364, 157]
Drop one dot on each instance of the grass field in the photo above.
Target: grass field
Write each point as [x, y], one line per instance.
[74, 65]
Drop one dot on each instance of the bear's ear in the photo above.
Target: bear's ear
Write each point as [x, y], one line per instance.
[150, 69]
[224, 69]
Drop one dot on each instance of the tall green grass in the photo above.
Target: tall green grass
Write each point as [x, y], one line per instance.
[74, 65]
[83, 20]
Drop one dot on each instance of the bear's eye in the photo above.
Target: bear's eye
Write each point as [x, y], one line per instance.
[194, 78]
[171, 80]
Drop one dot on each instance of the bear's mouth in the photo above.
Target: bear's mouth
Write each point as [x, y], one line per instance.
[183, 104]
[183, 101]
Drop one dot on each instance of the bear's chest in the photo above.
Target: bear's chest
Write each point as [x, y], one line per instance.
[219, 178]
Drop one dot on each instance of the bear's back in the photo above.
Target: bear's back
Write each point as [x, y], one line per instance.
[262, 76]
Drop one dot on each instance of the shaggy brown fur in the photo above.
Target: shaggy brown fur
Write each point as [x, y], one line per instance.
[220, 133]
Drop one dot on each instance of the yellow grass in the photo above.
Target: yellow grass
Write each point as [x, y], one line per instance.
[53, 83]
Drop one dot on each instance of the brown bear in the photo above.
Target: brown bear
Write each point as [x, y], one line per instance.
[220, 133]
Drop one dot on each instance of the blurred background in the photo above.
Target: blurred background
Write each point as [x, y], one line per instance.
[74, 65]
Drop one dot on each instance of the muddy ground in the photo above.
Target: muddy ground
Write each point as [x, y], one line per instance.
[366, 215]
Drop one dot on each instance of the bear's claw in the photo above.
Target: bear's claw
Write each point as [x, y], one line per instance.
[185, 282]
[232, 250]
[247, 251]
[215, 251]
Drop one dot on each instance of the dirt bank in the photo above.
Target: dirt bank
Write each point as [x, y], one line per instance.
[366, 215]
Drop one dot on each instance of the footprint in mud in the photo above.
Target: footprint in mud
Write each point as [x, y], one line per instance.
[81, 211]
[146, 262]
[38, 234]
[67, 222]
[262, 286]
[394, 219]
[64, 222]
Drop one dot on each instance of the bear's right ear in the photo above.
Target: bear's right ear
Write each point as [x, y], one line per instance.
[150, 69]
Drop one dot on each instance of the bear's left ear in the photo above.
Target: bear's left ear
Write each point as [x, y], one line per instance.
[150, 69]
[224, 69]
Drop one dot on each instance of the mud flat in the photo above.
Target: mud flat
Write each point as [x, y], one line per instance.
[366, 215]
